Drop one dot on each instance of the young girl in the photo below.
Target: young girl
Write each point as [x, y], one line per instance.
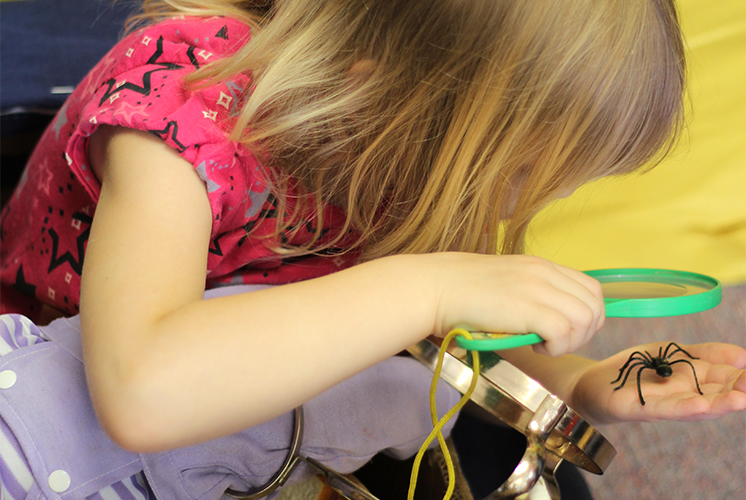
[370, 156]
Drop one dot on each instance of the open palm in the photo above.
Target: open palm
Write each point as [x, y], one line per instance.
[719, 369]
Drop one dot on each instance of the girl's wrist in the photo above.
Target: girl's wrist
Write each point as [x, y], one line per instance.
[419, 284]
[559, 375]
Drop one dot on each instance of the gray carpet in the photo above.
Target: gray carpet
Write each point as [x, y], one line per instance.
[676, 460]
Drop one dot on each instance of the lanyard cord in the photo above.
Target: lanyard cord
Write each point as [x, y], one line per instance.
[438, 425]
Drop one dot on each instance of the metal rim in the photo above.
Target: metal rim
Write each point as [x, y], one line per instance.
[508, 394]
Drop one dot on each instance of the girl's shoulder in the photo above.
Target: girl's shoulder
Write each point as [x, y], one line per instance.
[141, 84]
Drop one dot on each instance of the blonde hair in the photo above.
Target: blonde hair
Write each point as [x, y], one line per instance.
[424, 120]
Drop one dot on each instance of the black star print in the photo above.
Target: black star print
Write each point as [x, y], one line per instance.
[223, 33]
[192, 57]
[266, 213]
[75, 263]
[172, 127]
[146, 87]
[217, 250]
[22, 286]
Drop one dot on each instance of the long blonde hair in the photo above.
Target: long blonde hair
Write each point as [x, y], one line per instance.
[425, 119]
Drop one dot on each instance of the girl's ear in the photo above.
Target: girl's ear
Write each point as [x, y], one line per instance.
[362, 70]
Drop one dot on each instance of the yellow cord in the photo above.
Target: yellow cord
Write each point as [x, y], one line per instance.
[438, 425]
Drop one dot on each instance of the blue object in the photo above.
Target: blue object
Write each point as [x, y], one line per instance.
[48, 46]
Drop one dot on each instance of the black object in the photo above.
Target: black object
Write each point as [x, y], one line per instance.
[659, 363]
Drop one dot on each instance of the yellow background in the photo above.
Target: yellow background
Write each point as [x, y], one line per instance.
[689, 213]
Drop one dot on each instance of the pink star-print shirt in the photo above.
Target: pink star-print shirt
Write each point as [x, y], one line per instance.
[139, 84]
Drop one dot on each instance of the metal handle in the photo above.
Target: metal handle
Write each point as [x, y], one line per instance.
[337, 482]
[531, 466]
[283, 474]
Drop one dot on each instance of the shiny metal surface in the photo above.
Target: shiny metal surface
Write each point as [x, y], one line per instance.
[511, 396]
[336, 481]
[546, 487]
[531, 467]
[283, 474]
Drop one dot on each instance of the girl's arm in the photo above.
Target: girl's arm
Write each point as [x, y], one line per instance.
[166, 368]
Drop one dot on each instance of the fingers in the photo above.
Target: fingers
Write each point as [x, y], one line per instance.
[556, 331]
[518, 294]
[573, 315]
[564, 330]
[724, 376]
[719, 354]
[739, 384]
[564, 306]
[590, 284]
[721, 380]
[726, 390]
[693, 407]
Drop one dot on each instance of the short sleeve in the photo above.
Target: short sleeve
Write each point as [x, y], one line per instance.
[140, 85]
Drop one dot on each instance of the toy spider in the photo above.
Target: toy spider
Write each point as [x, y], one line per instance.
[659, 363]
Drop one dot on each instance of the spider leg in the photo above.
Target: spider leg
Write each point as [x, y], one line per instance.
[632, 358]
[634, 365]
[678, 349]
[633, 361]
[639, 388]
[693, 371]
[664, 354]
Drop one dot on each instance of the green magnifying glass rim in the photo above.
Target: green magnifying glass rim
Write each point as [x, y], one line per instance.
[692, 293]
[695, 292]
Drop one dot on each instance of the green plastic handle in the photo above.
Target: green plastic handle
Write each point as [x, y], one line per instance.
[680, 292]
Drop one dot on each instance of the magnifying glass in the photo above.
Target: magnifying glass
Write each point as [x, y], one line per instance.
[628, 293]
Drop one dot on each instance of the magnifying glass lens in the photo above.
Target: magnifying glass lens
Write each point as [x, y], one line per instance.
[648, 290]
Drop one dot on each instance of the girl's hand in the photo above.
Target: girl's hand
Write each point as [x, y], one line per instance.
[519, 294]
[720, 372]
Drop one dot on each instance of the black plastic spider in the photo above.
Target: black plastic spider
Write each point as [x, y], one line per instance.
[659, 363]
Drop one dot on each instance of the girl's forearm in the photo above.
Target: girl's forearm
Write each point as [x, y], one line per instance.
[217, 366]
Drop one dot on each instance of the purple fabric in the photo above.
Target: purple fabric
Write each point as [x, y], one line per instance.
[384, 408]
[49, 412]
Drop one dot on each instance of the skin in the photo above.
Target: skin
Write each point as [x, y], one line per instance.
[158, 355]
[586, 385]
